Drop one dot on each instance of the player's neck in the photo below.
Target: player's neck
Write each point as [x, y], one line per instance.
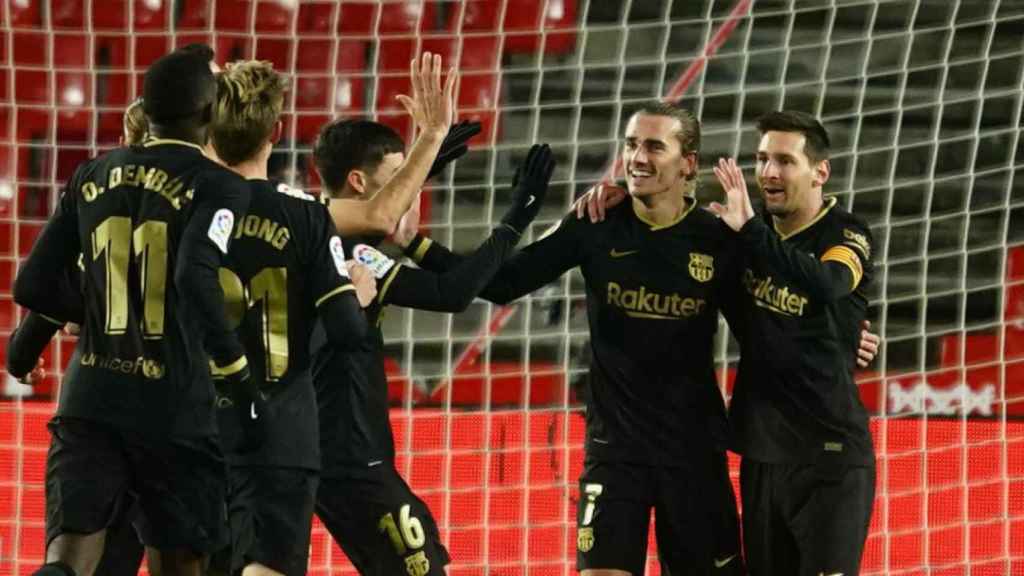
[660, 209]
[255, 168]
[802, 216]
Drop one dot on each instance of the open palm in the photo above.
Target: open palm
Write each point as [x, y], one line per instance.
[737, 209]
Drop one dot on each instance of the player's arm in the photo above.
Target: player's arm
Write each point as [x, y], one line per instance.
[42, 281]
[432, 109]
[837, 273]
[221, 200]
[529, 269]
[28, 341]
[333, 292]
[453, 289]
[831, 276]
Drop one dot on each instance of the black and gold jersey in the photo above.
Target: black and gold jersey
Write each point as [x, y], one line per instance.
[352, 392]
[653, 295]
[351, 384]
[152, 224]
[285, 269]
[801, 302]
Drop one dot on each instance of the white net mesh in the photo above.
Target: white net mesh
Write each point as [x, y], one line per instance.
[923, 101]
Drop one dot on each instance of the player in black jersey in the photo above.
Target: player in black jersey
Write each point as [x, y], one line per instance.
[808, 470]
[363, 501]
[136, 411]
[654, 273]
[285, 270]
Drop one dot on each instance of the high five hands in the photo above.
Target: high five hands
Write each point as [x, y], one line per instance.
[431, 107]
[737, 209]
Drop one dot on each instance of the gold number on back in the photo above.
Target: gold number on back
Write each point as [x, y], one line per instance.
[269, 289]
[114, 240]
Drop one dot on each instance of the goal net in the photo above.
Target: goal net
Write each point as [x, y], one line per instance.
[923, 101]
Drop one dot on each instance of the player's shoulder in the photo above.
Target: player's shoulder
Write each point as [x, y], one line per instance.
[845, 227]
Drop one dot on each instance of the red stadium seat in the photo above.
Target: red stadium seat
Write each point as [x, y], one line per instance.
[110, 15]
[149, 48]
[26, 14]
[276, 50]
[274, 16]
[31, 48]
[32, 87]
[316, 18]
[233, 15]
[193, 14]
[67, 14]
[357, 18]
[526, 21]
[150, 16]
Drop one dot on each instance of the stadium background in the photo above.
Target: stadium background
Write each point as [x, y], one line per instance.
[923, 100]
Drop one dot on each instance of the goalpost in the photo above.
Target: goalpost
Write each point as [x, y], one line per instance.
[923, 99]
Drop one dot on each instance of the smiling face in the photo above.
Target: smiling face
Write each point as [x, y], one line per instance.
[789, 180]
[652, 156]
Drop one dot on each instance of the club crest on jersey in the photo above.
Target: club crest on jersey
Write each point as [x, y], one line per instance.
[702, 266]
[585, 539]
[374, 259]
[338, 255]
[220, 228]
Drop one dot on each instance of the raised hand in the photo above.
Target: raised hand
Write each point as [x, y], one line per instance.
[596, 201]
[530, 187]
[431, 108]
[454, 146]
[737, 209]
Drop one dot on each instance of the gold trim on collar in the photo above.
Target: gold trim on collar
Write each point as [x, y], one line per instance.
[160, 141]
[688, 199]
[830, 203]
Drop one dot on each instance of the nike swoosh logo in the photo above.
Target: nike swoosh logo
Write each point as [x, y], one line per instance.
[721, 563]
[616, 254]
[530, 199]
[832, 574]
[252, 412]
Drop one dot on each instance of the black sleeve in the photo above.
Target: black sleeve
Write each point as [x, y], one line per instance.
[28, 341]
[454, 289]
[827, 279]
[335, 297]
[221, 200]
[534, 266]
[42, 281]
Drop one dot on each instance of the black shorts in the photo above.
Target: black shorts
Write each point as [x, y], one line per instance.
[122, 549]
[805, 519]
[381, 525]
[180, 485]
[696, 524]
[270, 511]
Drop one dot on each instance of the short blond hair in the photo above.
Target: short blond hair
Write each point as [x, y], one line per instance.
[135, 124]
[250, 96]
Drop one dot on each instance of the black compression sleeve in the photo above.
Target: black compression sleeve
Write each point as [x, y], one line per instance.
[27, 343]
[455, 288]
[343, 320]
[528, 269]
[827, 281]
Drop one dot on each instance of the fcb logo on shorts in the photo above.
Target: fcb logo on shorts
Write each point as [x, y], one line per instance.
[417, 564]
[585, 539]
[702, 266]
